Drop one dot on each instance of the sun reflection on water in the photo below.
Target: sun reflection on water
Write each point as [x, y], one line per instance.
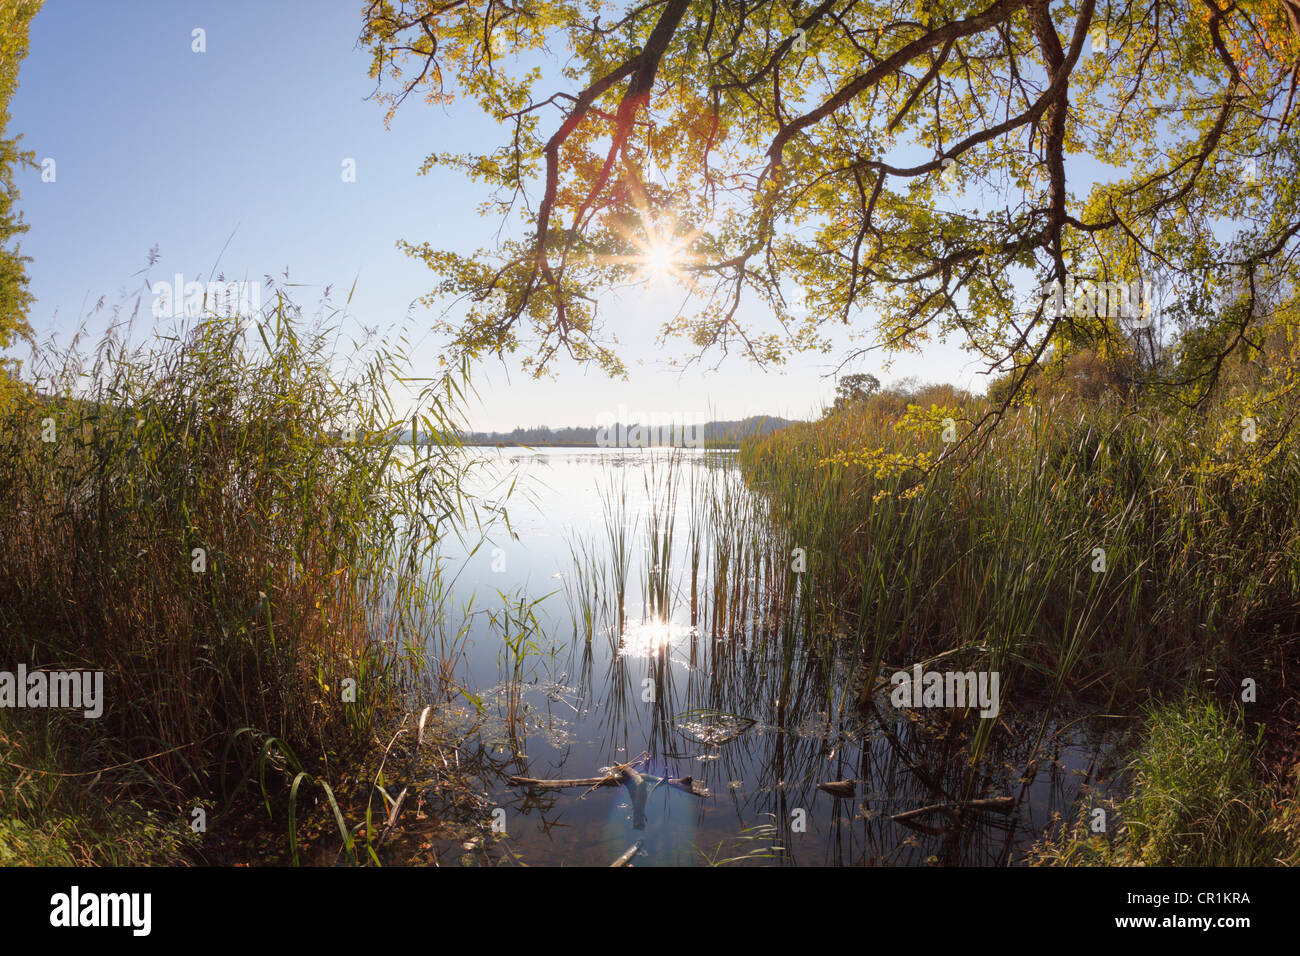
[649, 638]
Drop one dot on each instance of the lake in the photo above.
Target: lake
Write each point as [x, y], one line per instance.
[713, 670]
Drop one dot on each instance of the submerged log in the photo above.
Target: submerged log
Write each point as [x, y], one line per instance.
[613, 780]
[926, 828]
[619, 769]
[839, 788]
[688, 784]
[995, 804]
[628, 854]
[636, 791]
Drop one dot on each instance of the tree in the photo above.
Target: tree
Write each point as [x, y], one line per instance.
[15, 18]
[852, 389]
[935, 164]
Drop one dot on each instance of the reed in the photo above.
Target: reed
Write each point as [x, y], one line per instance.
[614, 508]
[772, 646]
[995, 562]
[220, 519]
[515, 621]
[662, 480]
[1198, 796]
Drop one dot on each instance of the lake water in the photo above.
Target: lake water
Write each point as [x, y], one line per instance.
[714, 681]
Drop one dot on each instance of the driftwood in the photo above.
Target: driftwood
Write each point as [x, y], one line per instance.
[839, 788]
[688, 784]
[925, 828]
[995, 804]
[617, 770]
[393, 813]
[628, 854]
[636, 790]
[543, 784]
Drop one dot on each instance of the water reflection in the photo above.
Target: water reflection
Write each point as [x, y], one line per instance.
[674, 625]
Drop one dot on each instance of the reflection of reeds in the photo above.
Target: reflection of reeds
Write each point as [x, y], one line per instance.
[788, 654]
[662, 477]
[519, 628]
[582, 588]
[614, 506]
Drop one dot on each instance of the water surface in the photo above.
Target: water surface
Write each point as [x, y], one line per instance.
[712, 675]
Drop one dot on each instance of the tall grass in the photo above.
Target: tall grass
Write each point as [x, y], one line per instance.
[1197, 798]
[760, 646]
[520, 634]
[220, 520]
[614, 505]
[662, 481]
[995, 563]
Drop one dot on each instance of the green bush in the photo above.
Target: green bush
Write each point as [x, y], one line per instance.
[1195, 798]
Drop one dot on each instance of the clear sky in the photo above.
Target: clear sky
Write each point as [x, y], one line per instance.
[234, 157]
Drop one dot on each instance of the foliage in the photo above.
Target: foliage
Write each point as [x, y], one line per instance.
[1195, 799]
[998, 551]
[15, 19]
[852, 389]
[933, 164]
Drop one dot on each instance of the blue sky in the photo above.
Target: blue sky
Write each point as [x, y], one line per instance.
[240, 149]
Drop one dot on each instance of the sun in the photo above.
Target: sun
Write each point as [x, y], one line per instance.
[660, 251]
[660, 259]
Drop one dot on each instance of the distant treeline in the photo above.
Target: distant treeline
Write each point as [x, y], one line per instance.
[713, 434]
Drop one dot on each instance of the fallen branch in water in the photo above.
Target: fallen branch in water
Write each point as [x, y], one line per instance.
[996, 804]
[541, 784]
[616, 771]
[926, 828]
[839, 788]
[688, 784]
[394, 811]
[628, 854]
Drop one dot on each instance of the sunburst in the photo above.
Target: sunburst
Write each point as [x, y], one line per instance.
[662, 251]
